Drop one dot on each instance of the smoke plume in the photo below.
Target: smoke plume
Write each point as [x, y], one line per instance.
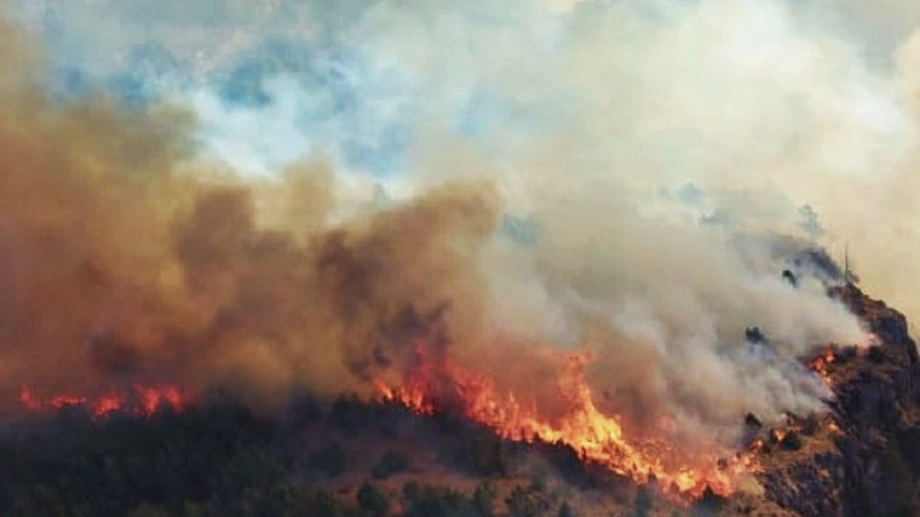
[620, 177]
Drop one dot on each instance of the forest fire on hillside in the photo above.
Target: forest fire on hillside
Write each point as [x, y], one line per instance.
[140, 400]
[438, 385]
[597, 436]
[819, 364]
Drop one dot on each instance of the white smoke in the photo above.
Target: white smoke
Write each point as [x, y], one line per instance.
[640, 137]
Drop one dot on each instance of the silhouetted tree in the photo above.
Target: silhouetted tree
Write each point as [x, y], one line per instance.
[372, 501]
[565, 510]
[390, 463]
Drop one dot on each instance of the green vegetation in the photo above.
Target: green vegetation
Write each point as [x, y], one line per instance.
[218, 461]
[223, 461]
[643, 503]
[486, 455]
[372, 501]
[427, 501]
[565, 511]
[390, 463]
[331, 459]
[898, 479]
[484, 499]
[526, 503]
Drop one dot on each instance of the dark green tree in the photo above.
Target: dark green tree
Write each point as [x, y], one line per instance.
[565, 510]
[372, 501]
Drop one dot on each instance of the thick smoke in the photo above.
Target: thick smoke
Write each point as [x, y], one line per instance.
[658, 149]
[120, 267]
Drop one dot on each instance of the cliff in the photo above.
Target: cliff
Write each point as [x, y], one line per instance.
[863, 461]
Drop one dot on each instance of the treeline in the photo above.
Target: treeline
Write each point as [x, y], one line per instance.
[221, 460]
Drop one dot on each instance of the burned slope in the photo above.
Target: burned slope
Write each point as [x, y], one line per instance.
[864, 459]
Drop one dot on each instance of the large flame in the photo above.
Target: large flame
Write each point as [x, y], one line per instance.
[599, 437]
[436, 385]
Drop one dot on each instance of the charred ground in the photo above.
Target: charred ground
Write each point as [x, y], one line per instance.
[868, 465]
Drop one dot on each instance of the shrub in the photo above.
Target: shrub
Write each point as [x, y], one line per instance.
[372, 501]
[411, 491]
[390, 463]
[565, 511]
[146, 510]
[791, 441]
[487, 455]
[441, 502]
[643, 501]
[320, 503]
[523, 503]
[484, 499]
[349, 414]
[330, 460]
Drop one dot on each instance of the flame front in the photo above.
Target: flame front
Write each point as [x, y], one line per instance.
[597, 436]
[140, 400]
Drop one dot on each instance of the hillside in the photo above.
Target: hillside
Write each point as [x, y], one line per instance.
[869, 465]
[348, 457]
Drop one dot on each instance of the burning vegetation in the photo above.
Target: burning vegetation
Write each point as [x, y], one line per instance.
[138, 400]
[124, 262]
[356, 458]
[598, 437]
[819, 364]
[582, 441]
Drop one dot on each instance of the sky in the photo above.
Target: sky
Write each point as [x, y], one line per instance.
[270, 81]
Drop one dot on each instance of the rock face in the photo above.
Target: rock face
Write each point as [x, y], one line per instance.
[870, 465]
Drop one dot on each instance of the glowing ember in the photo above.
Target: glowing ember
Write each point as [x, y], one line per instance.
[830, 354]
[820, 363]
[142, 400]
[597, 436]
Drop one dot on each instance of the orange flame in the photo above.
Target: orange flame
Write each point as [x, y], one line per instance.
[599, 437]
[142, 401]
[819, 364]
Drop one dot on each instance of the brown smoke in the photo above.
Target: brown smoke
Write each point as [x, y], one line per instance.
[125, 257]
[119, 263]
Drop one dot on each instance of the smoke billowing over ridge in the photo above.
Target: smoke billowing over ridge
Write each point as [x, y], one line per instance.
[652, 140]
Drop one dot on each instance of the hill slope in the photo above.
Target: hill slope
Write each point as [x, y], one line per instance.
[351, 458]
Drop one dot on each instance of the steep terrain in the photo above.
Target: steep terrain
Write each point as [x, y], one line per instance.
[861, 458]
[868, 463]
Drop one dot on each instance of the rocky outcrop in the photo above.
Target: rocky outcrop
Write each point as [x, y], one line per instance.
[867, 463]
[889, 325]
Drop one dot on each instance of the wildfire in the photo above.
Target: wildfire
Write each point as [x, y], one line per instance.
[830, 354]
[599, 437]
[141, 400]
[819, 364]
